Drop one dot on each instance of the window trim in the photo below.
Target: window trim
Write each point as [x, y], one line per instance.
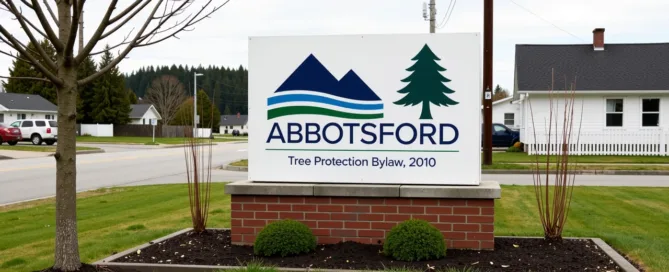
[606, 112]
[513, 119]
[659, 112]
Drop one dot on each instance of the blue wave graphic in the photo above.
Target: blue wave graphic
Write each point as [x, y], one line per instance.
[320, 99]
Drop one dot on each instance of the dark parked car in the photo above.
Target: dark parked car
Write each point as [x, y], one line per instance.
[503, 136]
[10, 135]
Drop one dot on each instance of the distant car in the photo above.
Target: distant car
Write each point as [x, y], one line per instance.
[10, 135]
[38, 131]
[235, 132]
[503, 136]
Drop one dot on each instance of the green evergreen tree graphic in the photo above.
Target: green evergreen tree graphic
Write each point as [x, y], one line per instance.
[426, 84]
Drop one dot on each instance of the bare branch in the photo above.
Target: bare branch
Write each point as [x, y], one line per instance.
[126, 11]
[167, 94]
[83, 53]
[34, 27]
[18, 46]
[53, 15]
[19, 16]
[27, 4]
[124, 42]
[27, 78]
[47, 26]
[74, 26]
[118, 26]
[15, 57]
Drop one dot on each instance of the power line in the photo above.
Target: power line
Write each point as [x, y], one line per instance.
[526, 9]
[450, 11]
[446, 13]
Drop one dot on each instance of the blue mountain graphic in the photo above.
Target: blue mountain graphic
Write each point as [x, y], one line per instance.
[311, 75]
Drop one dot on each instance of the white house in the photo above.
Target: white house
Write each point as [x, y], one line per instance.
[142, 114]
[15, 106]
[234, 122]
[504, 111]
[622, 91]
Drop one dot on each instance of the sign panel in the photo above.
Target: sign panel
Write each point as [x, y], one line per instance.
[382, 109]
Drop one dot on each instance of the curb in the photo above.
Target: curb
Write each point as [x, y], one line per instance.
[84, 152]
[235, 168]
[583, 172]
[150, 267]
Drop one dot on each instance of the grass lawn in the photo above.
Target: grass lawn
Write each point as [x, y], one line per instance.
[40, 148]
[142, 140]
[240, 163]
[521, 157]
[633, 220]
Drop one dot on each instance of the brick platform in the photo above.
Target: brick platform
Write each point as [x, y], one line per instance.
[465, 215]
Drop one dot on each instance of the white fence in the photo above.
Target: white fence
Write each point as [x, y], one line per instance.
[98, 130]
[625, 143]
[201, 132]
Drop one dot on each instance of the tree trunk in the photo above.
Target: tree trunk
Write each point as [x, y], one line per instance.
[425, 113]
[67, 245]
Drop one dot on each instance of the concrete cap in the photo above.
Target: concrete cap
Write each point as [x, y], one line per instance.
[485, 190]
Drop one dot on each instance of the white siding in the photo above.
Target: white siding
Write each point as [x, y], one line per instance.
[229, 129]
[146, 119]
[498, 111]
[9, 116]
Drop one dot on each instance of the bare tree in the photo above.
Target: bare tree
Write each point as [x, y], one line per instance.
[166, 93]
[166, 19]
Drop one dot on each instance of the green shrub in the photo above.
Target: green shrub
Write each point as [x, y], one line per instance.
[514, 149]
[414, 240]
[284, 238]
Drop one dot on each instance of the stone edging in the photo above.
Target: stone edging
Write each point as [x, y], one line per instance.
[485, 190]
[235, 168]
[146, 267]
[83, 152]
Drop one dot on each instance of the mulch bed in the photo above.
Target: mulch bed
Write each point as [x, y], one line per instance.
[510, 254]
[92, 268]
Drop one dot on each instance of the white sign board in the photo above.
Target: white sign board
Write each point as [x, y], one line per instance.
[393, 109]
[154, 122]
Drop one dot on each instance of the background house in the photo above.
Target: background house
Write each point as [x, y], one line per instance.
[15, 106]
[232, 122]
[142, 114]
[505, 111]
[623, 90]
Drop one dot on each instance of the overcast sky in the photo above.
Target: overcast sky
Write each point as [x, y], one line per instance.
[222, 39]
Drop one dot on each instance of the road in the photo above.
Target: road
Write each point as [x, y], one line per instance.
[31, 178]
[126, 165]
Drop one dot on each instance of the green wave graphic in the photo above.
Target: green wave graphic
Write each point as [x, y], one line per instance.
[295, 110]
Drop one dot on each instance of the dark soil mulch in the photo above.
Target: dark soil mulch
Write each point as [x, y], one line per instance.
[92, 268]
[510, 254]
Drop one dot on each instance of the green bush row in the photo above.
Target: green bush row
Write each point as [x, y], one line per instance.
[411, 240]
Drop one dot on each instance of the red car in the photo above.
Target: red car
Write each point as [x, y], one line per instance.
[10, 135]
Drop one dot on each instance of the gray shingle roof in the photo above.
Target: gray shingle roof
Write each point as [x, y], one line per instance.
[618, 67]
[138, 110]
[232, 120]
[26, 102]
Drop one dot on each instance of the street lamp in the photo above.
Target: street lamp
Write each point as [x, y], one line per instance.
[195, 75]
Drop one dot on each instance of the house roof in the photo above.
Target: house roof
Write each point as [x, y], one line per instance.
[232, 120]
[502, 100]
[26, 102]
[618, 67]
[138, 110]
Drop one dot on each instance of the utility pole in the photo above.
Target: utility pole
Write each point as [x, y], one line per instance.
[433, 14]
[195, 119]
[487, 81]
[81, 31]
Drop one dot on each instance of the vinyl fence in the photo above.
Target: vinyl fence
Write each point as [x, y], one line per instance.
[97, 130]
[147, 131]
[624, 143]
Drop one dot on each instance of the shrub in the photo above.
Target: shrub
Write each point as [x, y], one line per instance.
[518, 145]
[415, 240]
[284, 238]
[514, 149]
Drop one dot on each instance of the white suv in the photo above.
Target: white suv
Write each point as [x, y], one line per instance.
[38, 130]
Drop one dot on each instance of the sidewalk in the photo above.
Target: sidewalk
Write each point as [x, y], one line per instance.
[12, 154]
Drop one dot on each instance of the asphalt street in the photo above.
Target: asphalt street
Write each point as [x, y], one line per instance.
[25, 179]
[127, 165]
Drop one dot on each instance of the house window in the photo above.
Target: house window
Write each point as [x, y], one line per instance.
[21, 116]
[2, 117]
[614, 112]
[650, 112]
[509, 119]
[49, 117]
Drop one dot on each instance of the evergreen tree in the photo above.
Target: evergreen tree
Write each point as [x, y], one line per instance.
[132, 97]
[184, 115]
[499, 93]
[111, 104]
[23, 68]
[227, 110]
[426, 84]
[86, 92]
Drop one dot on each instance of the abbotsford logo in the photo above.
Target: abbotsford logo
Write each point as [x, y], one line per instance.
[311, 89]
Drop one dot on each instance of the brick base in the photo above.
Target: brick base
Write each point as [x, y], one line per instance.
[465, 223]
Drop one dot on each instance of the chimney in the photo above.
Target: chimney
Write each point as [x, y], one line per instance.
[238, 115]
[598, 39]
